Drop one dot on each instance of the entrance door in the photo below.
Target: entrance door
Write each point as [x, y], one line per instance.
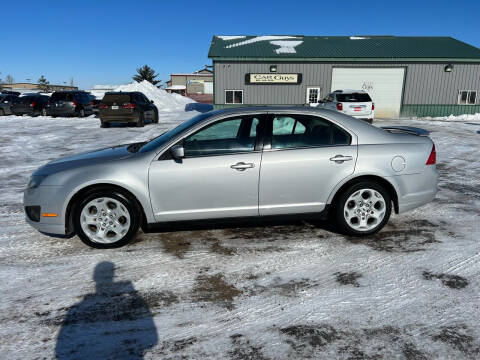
[309, 155]
[384, 85]
[313, 96]
[218, 178]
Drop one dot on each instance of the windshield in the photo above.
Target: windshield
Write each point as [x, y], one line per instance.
[162, 139]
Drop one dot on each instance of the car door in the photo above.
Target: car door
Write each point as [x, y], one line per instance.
[148, 107]
[217, 178]
[304, 157]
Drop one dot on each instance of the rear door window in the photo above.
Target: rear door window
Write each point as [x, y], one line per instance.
[301, 131]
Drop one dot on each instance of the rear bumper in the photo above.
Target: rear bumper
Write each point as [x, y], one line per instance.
[118, 119]
[61, 111]
[417, 189]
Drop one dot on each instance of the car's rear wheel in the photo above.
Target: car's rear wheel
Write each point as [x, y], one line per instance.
[104, 124]
[363, 209]
[106, 219]
[155, 116]
[2, 113]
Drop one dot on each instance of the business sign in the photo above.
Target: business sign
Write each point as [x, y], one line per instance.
[265, 79]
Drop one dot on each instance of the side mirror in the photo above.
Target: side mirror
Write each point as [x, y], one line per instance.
[151, 101]
[177, 152]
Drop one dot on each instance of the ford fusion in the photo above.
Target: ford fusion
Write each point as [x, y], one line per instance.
[239, 163]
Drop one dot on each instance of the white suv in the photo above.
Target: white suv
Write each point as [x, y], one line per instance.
[356, 103]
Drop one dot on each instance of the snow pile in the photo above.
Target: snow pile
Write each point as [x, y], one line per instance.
[163, 100]
[464, 117]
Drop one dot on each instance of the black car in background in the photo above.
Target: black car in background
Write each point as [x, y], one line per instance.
[70, 103]
[127, 107]
[30, 104]
[6, 103]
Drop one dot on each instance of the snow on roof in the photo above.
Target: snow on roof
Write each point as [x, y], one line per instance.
[286, 47]
[234, 37]
[261, 38]
[162, 99]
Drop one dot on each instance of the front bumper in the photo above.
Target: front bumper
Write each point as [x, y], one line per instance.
[50, 200]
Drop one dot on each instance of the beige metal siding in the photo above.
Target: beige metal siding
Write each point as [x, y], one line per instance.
[425, 83]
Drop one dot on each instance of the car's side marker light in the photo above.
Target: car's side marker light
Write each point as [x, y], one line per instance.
[49, 214]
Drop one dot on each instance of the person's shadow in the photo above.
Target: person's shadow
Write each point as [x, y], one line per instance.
[113, 323]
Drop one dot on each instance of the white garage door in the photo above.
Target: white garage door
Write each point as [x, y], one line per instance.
[385, 86]
[208, 88]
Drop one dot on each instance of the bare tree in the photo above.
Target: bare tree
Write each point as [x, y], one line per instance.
[9, 79]
[71, 82]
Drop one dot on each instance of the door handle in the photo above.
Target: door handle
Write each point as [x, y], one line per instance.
[241, 166]
[340, 158]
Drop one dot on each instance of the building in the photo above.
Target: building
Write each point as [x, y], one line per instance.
[197, 85]
[405, 76]
[36, 87]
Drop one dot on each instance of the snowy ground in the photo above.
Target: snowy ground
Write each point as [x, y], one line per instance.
[279, 292]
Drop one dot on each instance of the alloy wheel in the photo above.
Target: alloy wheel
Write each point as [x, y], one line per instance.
[105, 220]
[364, 210]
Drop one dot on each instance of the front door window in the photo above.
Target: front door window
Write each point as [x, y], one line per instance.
[224, 137]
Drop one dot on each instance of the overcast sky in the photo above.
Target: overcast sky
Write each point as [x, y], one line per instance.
[103, 42]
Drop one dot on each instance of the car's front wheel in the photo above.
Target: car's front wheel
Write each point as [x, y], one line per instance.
[106, 219]
[363, 209]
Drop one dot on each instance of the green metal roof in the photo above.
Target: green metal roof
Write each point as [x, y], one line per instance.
[351, 48]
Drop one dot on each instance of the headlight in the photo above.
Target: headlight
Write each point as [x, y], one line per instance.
[35, 181]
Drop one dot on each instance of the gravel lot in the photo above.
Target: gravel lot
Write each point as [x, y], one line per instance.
[281, 291]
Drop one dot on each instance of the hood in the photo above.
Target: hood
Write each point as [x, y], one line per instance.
[87, 158]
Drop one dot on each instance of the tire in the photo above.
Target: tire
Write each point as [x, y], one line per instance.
[81, 113]
[141, 120]
[155, 116]
[44, 112]
[2, 112]
[363, 209]
[120, 221]
[104, 124]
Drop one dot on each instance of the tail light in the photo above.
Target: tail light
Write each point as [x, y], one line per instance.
[48, 104]
[74, 103]
[373, 106]
[91, 103]
[33, 103]
[339, 106]
[103, 106]
[432, 159]
[129, 106]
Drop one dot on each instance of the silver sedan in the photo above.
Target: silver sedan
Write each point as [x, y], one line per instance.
[244, 163]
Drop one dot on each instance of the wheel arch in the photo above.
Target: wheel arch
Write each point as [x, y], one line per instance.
[373, 178]
[97, 187]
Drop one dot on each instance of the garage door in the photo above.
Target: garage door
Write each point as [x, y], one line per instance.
[385, 86]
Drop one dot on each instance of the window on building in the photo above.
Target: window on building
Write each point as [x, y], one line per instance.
[300, 131]
[467, 97]
[233, 96]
